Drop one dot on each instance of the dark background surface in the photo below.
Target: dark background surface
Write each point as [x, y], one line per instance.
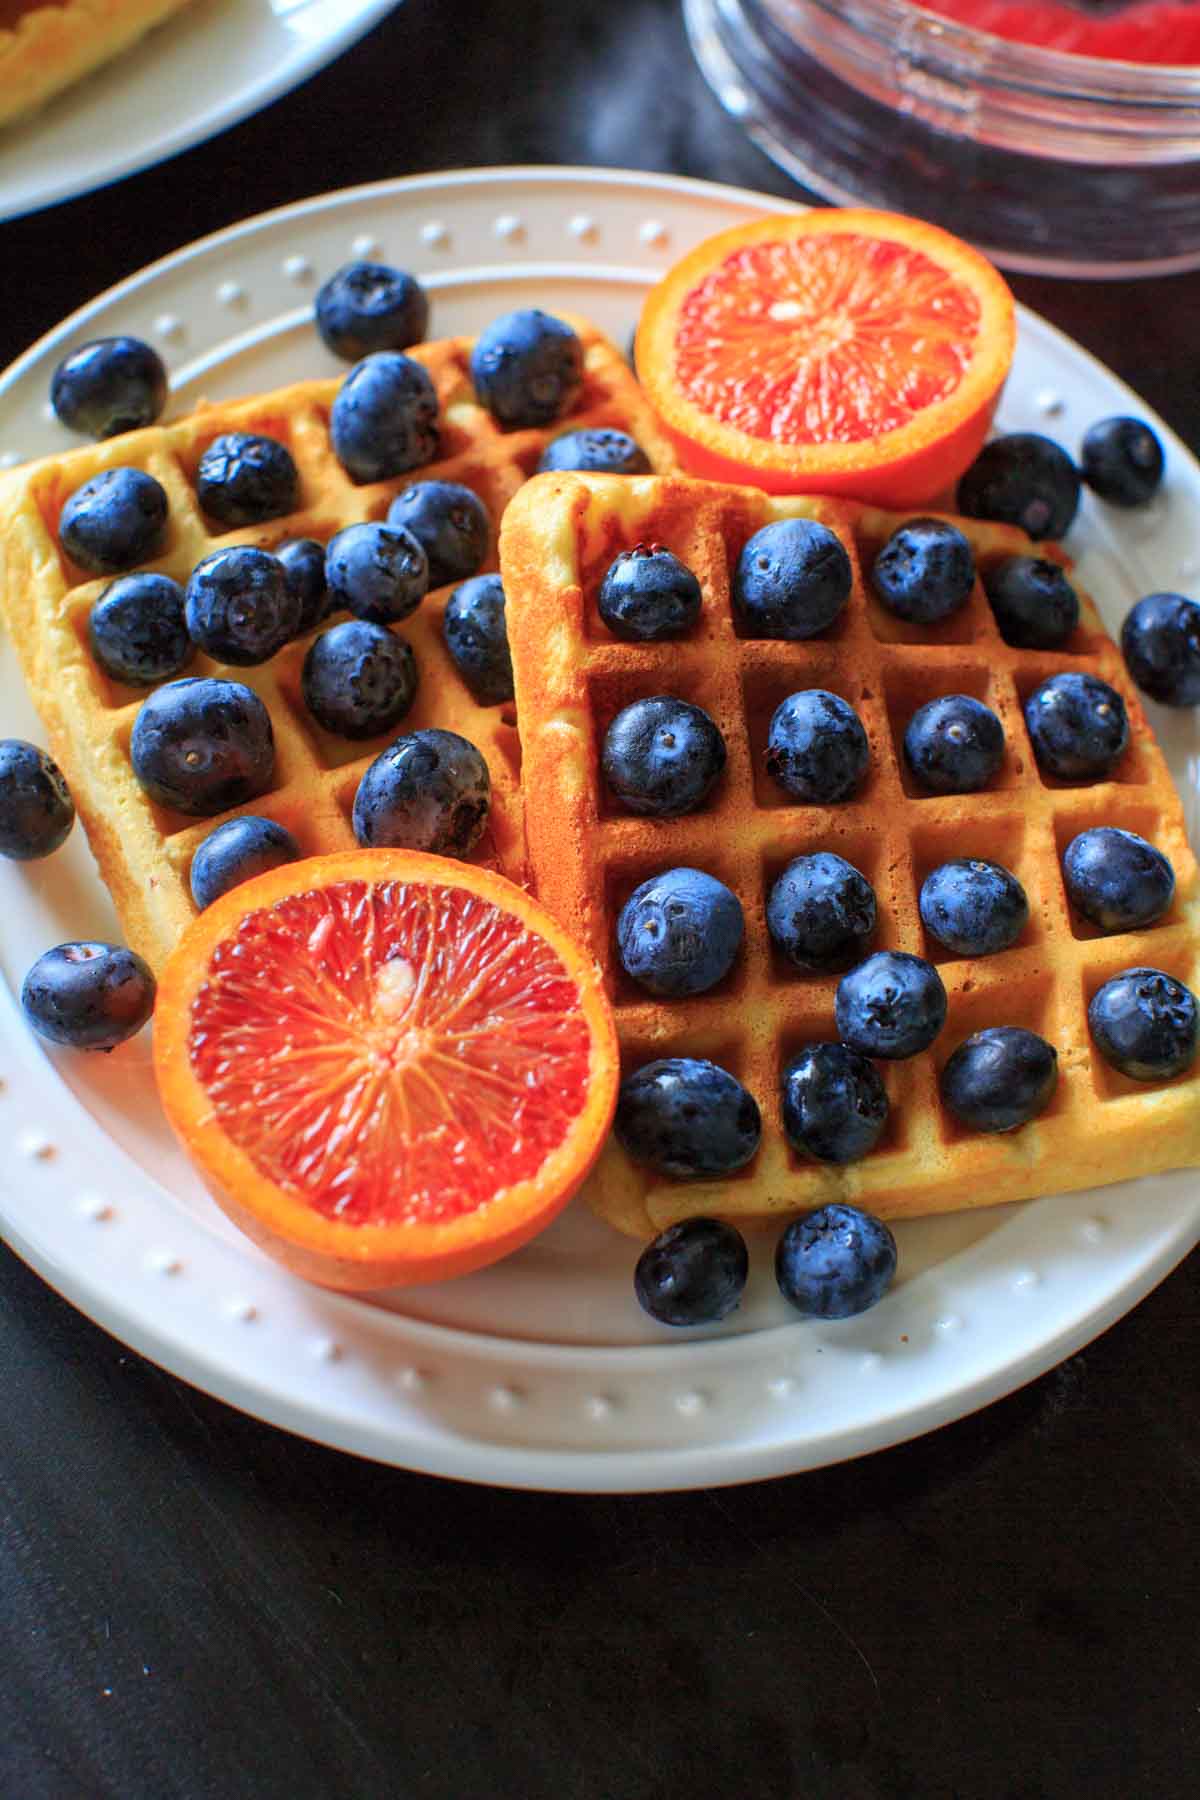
[193, 1604]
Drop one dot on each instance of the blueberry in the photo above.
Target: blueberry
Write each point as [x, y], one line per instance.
[303, 562]
[834, 1104]
[662, 756]
[244, 478]
[817, 749]
[449, 521]
[892, 1005]
[237, 851]
[203, 745]
[1116, 879]
[137, 629]
[36, 808]
[109, 385]
[239, 607]
[647, 595]
[1078, 726]
[679, 933]
[835, 1262]
[1145, 1024]
[821, 912]
[973, 907]
[358, 679]
[1000, 1078]
[90, 996]
[1122, 461]
[1034, 605]
[384, 418]
[116, 519]
[595, 449]
[428, 791]
[527, 368]
[687, 1117]
[1022, 479]
[954, 745]
[925, 571]
[377, 572]
[366, 306]
[1161, 643]
[791, 581]
[693, 1273]
[476, 635]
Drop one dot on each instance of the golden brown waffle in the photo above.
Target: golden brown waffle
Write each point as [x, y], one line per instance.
[144, 850]
[47, 45]
[586, 855]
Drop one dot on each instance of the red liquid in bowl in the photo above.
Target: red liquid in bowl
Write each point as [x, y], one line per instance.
[1145, 31]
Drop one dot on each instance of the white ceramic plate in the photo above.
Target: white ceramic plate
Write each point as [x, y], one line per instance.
[193, 76]
[542, 1372]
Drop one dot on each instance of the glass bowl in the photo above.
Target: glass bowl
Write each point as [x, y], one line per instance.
[1049, 162]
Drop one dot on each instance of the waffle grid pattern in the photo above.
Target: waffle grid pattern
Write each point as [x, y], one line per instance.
[145, 851]
[586, 856]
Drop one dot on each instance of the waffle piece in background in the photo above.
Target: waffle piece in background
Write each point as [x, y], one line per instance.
[47, 46]
[144, 851]
[586, 855]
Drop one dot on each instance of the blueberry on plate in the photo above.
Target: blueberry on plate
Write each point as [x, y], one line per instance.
[834, 1104]
[303, 562]
[449, 521]
[687, 1117]
[203, 745]
[1122, 461]
[954, 744]
[1034, 605]
[1145, 1024]
[973, 907]
[527, 368]
[36, 808]
[366, 306]
[925, 571]
[377, 572]
[662, 757]
[892, 1005]
[237, 851]
[821, 912]
[109, 385]
[430, 790]
[239, 607]
[1023, 479]
[1116, 879]
[817, 749]
[90, 996]
[138, 631]
[693, 1273]
[835, 1262]
[647, 595]
[679, 933]
[358, 679]
[1078, 726]
[595, 449]
[791, 580]
[384, 418]
[1160, 640]
[1000, 1078]
[245, 477]
[116, 519]
[476, 635]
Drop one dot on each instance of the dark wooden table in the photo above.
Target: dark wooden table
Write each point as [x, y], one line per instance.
[196, 1605]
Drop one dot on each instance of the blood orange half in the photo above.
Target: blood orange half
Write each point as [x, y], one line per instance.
[388, 1067]
[838, 351]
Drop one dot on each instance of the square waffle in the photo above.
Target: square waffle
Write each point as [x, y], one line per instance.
[144, 851]
[586, 855]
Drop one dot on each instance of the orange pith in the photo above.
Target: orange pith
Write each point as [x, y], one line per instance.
[388, 1067]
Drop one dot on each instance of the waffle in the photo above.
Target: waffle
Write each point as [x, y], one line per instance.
[45, 47]
[586, 855]
[144, 851]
